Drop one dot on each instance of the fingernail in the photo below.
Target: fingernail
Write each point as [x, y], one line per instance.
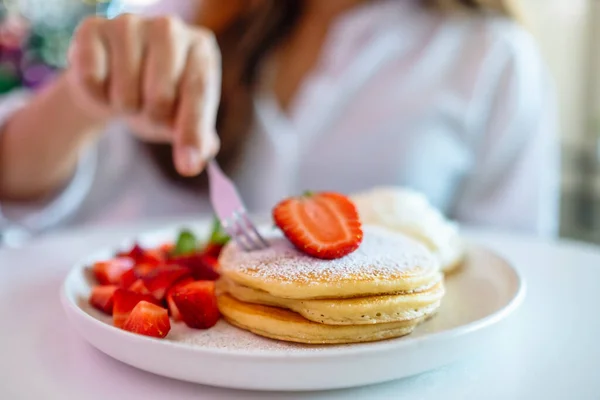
[189, 160]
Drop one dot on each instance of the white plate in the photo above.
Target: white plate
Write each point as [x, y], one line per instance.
[479, 297]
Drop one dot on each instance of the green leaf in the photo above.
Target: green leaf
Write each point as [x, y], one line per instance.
[218, 235]
[186, 243]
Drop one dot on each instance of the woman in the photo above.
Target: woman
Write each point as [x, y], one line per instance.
[448, 97]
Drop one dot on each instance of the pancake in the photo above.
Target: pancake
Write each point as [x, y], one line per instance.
[409, 212]
[281, 324]
[386, 262]
[353, 311]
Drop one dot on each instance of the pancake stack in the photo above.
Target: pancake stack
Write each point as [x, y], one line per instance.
[382, 290]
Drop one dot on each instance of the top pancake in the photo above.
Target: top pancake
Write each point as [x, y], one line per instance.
[385, 262]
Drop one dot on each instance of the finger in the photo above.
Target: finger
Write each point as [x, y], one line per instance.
[88, 59]
[195, 140]
[164, 66]
[124, 37]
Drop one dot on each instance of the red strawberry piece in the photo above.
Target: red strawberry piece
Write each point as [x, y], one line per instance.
[212, 261]
[142, 270]
[202, 267]
[173, 310]
[139, 287]
[154, 256]
[136, 253]
[143, 256]
[102, 298]
[148, 319]
[322, 225]
[159, 280]
[212, 250]
[128, 278]
[109, 272]
[197, 304]
[167, 248]
[125, 301]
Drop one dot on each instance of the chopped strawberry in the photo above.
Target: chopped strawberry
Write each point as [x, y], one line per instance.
[138, 287]
[212, 250]
[159, 280]
[148, 319]
[197, 304]
[322, 225]
[143, 256]
[169, 297]
[125, 301]
[213, 262]
[142, 270]
[128, 278]
[136, 253]
[202, 267]
[109, 272]
[102, 298]
[166, 248]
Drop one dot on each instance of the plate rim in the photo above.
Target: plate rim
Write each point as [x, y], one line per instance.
[70, 306]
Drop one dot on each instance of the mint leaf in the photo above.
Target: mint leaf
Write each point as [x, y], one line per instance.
[186, 243]
[218, 235]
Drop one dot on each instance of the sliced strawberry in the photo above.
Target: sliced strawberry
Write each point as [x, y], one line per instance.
[202, 267]
[102, 298]
[136, 253]
[143, 256]
[197, 304]
[138, 287]
[142, 270]
[148, 319]
[128, 278]
[322, 225]
[212, 250]
[173, 310]
[125, 301]
[109, 272]
[159, 280]
[166, 249]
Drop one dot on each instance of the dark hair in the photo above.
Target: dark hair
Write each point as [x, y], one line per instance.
[244, 45]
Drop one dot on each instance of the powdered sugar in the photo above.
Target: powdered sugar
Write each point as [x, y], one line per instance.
[381, 255]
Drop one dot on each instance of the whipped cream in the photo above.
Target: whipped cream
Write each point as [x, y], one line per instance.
[409, 212]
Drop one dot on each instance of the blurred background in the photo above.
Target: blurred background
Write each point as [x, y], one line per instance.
[568, 32]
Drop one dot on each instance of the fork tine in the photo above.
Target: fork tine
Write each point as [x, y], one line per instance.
[246, 232]
[233, 233]
[230, 209]
[249, 224]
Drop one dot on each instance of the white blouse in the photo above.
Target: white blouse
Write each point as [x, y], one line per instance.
[460, 108]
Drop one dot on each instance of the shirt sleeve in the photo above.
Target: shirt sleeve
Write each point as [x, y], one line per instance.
[514, 183]
[40, 215]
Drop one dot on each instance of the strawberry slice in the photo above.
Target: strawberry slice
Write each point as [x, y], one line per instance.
[323, 225]
[148, 319]
[173, 310]
[102, 298]
[142, 270]
[138, 287]
[202, 267]
[212, 250]
[143, 256]
[109, 272]
[160, 279]
[125, 301]
[128, 278]
[197, 304]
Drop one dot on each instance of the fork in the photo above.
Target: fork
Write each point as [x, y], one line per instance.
[231, 211]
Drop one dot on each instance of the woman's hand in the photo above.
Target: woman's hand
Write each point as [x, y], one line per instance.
[159, 73]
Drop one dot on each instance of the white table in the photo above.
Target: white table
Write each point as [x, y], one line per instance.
[551, 347]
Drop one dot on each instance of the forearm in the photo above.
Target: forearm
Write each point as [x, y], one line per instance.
[41, 143]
